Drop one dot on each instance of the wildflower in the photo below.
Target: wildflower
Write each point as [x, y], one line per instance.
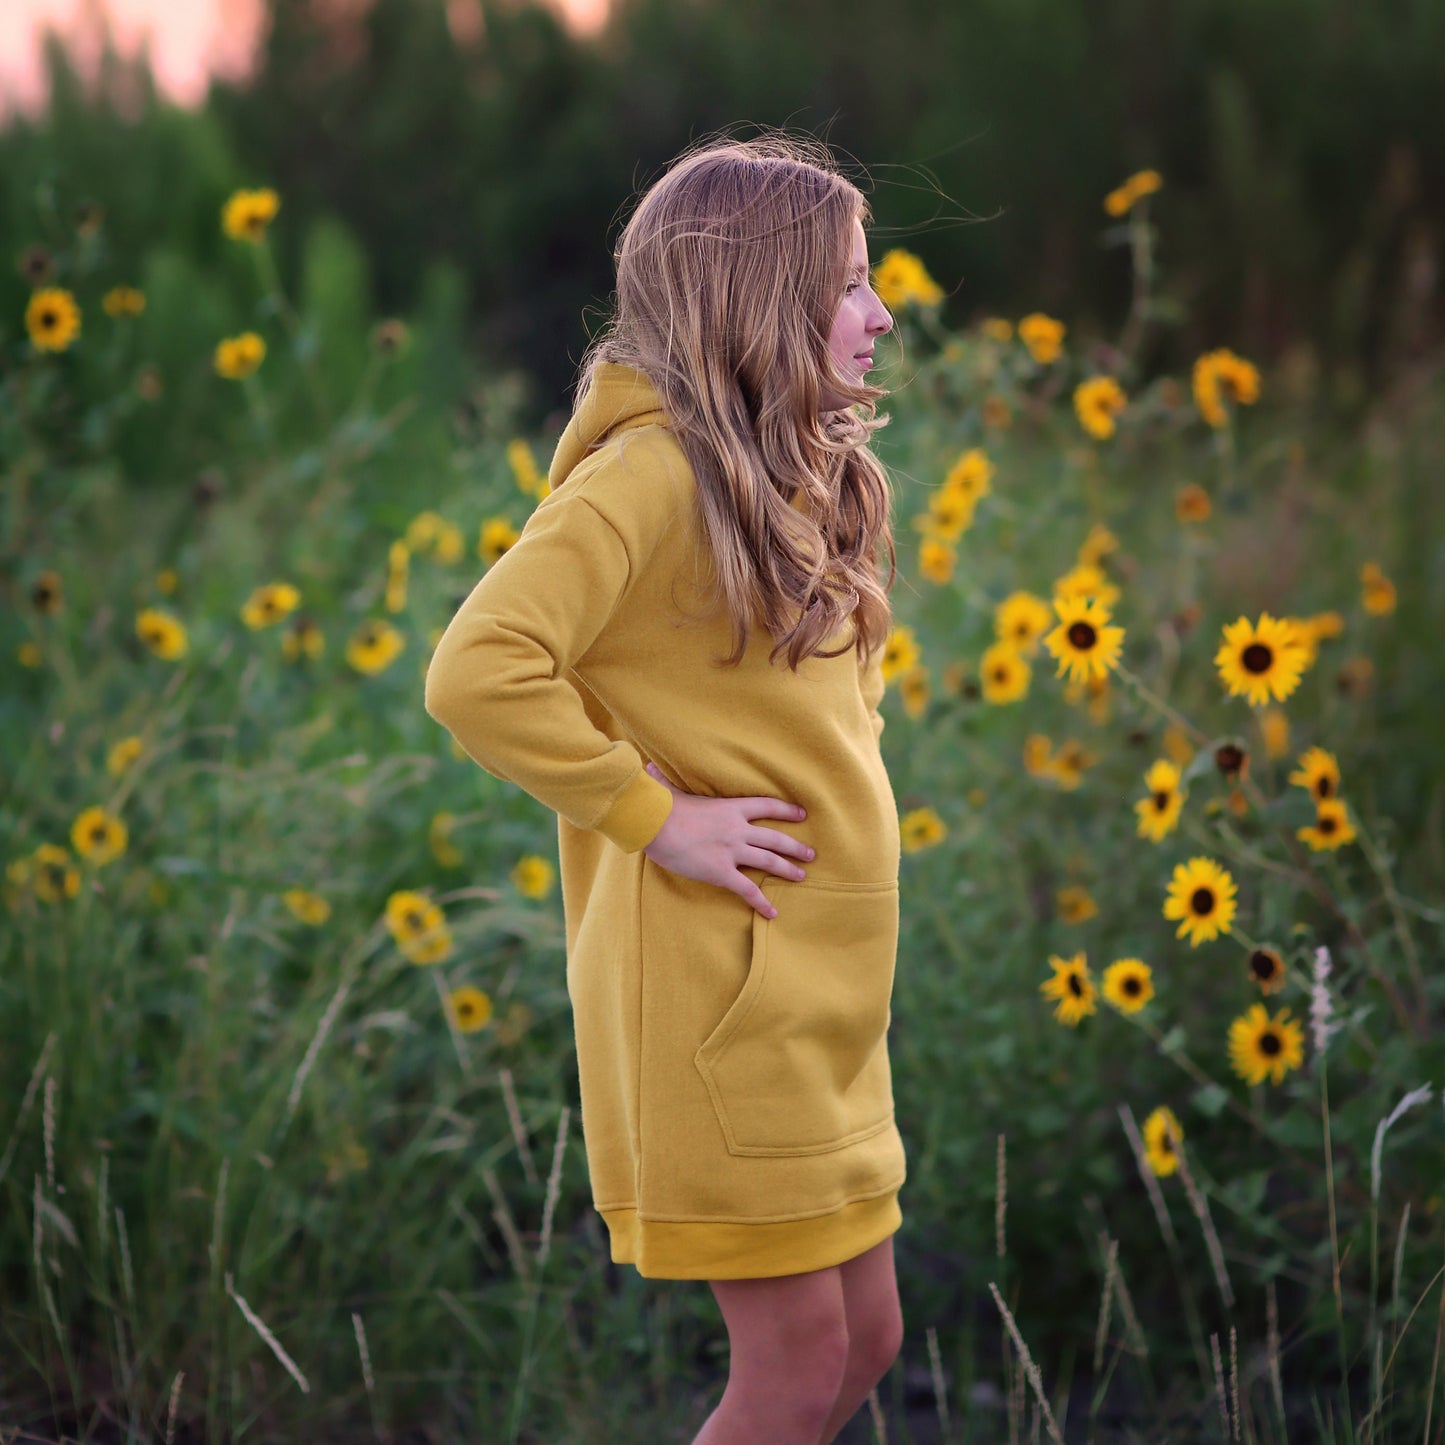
[971, 476]
[1321, 1004]
[98, 836]
[900, 278]
[1072, 986]
[1021, 619]
[1178, 746]
[921, 828]
[913, 689]
[239, 356]
[1192, 504]
[167, 581]
[122, 755]
[1094, 548]
[374, 646]
[1096, 403]
[1264, 1047]
[523, 465]
[55, 877]
[470, 1008]
[1087, 580]
[418, 926]
[52, 318]
[1067, 765]
[247, 214]
[936, 560]
[900, 652]
[1159, 812]
[956, 681]
[1038, 756]
[1232, 760]
[1332, 828]
[1266, 968]
[533, 876]
[1128, 984]
[1095, 691]
[1378, 595]
[996, 414]
[398, 565]
[1325, 625]
[309, 908]
[1075, 904]
[1261, 660]
[1319, 772]
[1122, 199]
[303, 638]
[36, 265]
[47, 596]
[1043, 336]
[996, 328]
[498, 536]
[1162, 1138]
[1201, 897]
[439, 839]
[268, 605]
[1355, 676]
[1083, 642]
[1004, 674]
[950, 514]
[513, 1024]
[1222, 372]
[1274, 729]
[123, 301]
[162, 633]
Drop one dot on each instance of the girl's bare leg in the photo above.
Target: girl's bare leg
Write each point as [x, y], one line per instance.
[789, 1359]
[875, 1330]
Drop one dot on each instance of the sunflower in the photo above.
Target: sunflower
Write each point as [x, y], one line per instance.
[373, 647]
[1162, 1138]
[1022, 618]
[1378, 592]
[1095, 692]
[1319, 771]
[1075, 904]
[1232, 760]
[1266, 968]
[1072, 986]
[1038, 756]
[1274, 731]
[900, 652]
[310, 908]
[498, 537]
[1004, 674]
[936, 560]
[1083, 642]
[1087, 580]
[54, 877]
[1128, 984]
[1326, 625]
[1043, 336]
[268, 605]
[971, 476]
[162, 633]
[949, 515]
[1067, 765]
[1261, 660]
[52, 318]
[900, 278]
[47, 596]
[533, 876]
[1122, 199]
[470, 1008]
[303, 638]
[1261, 1047]
[439, 839]
[1192, 504]
[1331, 829]
[1094, 549]
[98, 836]
[247, 214]
[1159, 812]
[398, 565]
[1219, 373]
[239, 356]
[123, 301]
[122, 755]
[524, 466]
[1177, 745]
[1201, 897]
[418, 926]
[921, 828]
[1096, 403]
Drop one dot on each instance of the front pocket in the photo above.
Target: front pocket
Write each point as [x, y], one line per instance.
[799, 1062]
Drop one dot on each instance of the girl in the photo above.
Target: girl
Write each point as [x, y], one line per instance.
[682, 657]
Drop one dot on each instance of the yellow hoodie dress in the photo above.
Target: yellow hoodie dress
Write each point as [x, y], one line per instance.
[737, 1108]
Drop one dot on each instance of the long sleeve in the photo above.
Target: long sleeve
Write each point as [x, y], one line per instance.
[498, 678]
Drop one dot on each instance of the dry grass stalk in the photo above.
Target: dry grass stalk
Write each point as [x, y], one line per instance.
[1200, 1205]
[174, 1406]
[514, 1118]
[1272, 1345]
[359, 1330]
[1219, 1386]
[554, 1185]
[503, 1217]
[1132, 1328]
[1000, 1199]
[1434, 1366]
[1151, 1184]
[260, 1326]
[940, 1388]
[1234, 1378]
[27, 1101]
[1031, 1369]
[880, 1425]
[1399, 1264]
[48, 1115]
[1111, 1269]
[314, 1048]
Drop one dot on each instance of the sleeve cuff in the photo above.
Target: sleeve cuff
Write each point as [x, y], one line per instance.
[637, 816]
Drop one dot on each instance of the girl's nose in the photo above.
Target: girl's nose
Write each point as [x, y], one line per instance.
[882, 323]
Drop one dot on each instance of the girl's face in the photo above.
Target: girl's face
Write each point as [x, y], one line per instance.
[862, 318]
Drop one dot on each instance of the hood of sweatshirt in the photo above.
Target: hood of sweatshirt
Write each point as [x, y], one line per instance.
[619, 399]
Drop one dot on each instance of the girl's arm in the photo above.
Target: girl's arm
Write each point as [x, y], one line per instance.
[872, 686]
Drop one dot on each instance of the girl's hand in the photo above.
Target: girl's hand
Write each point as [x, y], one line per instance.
[709, 839]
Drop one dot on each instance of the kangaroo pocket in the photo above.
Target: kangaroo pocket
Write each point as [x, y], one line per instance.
[799, 1063]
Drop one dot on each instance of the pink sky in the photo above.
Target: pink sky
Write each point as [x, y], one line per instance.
[190, 39]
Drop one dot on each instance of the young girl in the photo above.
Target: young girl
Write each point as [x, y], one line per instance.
[682, 657]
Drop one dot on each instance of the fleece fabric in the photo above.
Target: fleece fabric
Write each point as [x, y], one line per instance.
[737, 1106]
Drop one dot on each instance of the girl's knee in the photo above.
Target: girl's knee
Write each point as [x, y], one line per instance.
[874, 1342]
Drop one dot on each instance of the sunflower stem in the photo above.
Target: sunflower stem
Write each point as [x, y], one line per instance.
[1160, 706]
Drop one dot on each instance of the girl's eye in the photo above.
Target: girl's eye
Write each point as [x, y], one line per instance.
[850, 288]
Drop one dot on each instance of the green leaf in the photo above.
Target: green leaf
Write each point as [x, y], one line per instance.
[1210, 1100]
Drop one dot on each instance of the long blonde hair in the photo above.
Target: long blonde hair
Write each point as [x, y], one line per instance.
[729, 274]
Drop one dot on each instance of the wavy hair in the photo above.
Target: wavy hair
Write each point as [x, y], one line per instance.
[730, 272]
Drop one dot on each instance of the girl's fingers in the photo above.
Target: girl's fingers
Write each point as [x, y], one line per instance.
[779, 843]
[771, 863]
[772, 808]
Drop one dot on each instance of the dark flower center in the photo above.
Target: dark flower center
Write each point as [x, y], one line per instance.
[1201, 901]
[1270, 1043]
[1323, 787]
[1161, 802]
[99, 833]
[411, 918]
[1082, 636]
[1263, 965]
[1076, 986]
[1132, 985]
[1229, 758]
[1000, 673]
[1328, 824]
[1257, 657]
[49, 319]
